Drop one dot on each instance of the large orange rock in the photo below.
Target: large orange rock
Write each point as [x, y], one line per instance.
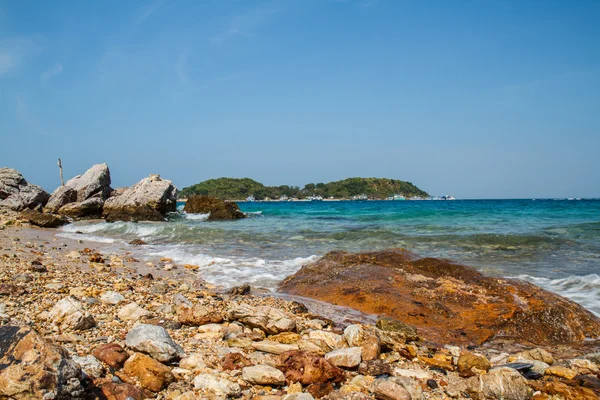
[32, 367]
[447, 302]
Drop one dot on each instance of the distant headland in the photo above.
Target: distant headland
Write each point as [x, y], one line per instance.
[351, 188]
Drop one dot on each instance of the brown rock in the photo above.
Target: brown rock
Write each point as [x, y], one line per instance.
[308, 368]
[197, 315]
[43, 220]
[152, 374]
[561, 372]
[218, 209]
[111, 354]
[138, 242]
[319, 390]
[233, 361]
[470, 364]
[8, 289]
[385, 389]
[439, 360]
[31, 366]
[447, 302]
[121, 391]
[560, 390]
[374, 368]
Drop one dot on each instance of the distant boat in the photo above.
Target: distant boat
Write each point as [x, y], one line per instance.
[284, 198]
[315, 198]
[250, 198]
[360, 197]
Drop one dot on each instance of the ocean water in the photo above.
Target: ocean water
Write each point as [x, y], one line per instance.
[552, 243]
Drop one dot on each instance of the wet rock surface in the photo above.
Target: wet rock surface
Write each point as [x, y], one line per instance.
[447, 302]
[218, 209]
[43, 220]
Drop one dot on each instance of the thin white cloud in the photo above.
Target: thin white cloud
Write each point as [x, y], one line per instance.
[246, 24]
[13, 52]
[52, 72]
[180, 66]
[148, 11]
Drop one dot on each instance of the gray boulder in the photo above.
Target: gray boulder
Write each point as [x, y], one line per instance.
[95, 182]
[62, 196]
[148, 200]
[155, 341]
[90, 208]
[17, 194]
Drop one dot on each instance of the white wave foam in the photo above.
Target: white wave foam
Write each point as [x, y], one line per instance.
[90, 238]
[196, 217]
[233, 271]
[584, 290]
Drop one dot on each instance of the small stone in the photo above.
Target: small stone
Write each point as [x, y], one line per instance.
[152, 374]
[385, 389]
[111, 297]
[561, 372]
[500, 383]
[132, 312]
[198, 315]
[111, 354]
[216, 385]
[470, 364]
[273, 347]
[263, 375]
[69, 313]
[349, 357]
[193, 362]
[91, 367]
[155, 341]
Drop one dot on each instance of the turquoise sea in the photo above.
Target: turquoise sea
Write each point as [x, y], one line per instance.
[553, 243]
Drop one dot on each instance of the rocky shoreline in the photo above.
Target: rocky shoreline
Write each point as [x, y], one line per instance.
[76, 323]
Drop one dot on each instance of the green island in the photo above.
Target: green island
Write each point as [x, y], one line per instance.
[241, 188]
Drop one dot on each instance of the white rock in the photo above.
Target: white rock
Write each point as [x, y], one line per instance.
[90, 366]
[216, 385]
[298, 396]
[269, 319]
[501, 383]
[132, 312]
[412, 373]
[182, 374]
[155, 341]
[111, 297]
[273, 347]
[193, 362]
[349, 357]
[69, 313]
[333, 340]
[211, 331]
[263, 375]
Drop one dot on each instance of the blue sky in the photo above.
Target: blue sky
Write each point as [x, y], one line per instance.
[470, 98]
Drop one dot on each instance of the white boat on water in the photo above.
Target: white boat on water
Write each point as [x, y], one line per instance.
[360, 197]
[250, 198]
[315, 198]
[284, 198]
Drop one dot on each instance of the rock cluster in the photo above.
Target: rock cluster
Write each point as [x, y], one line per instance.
[217, 208]
[116, 332]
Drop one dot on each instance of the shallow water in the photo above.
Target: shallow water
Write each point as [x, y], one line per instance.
[552, 243]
